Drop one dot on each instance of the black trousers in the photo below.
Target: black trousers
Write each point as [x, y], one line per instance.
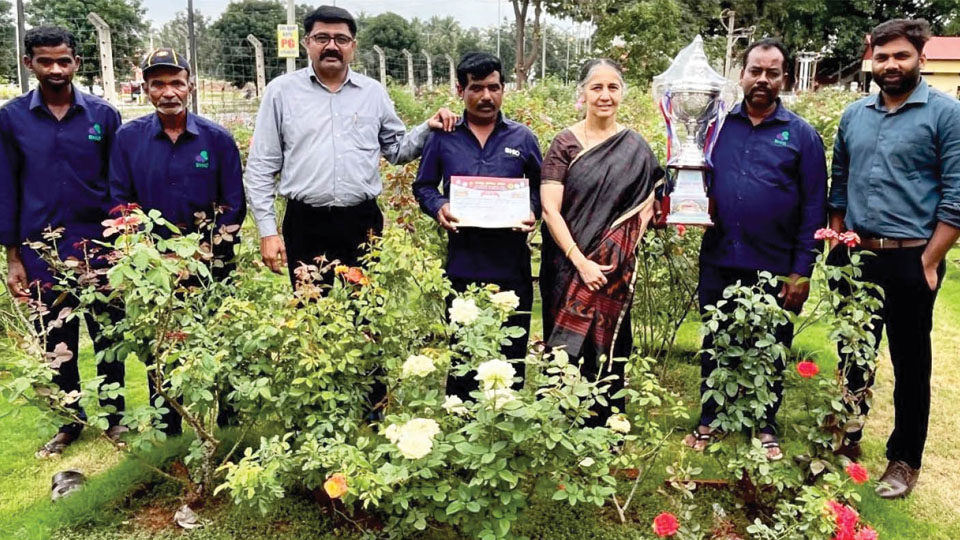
[517, 349]
[337, 233]
[713, 280]
[331, 231]
[68, 374]
[907, 314]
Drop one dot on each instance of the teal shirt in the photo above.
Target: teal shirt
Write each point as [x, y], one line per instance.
[896, 174]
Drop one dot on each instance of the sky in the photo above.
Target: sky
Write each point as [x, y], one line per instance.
[478, 13]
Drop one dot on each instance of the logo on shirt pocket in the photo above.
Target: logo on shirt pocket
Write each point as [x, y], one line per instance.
[782, 138]
[511, 152]
[202, 161]
[95, 133]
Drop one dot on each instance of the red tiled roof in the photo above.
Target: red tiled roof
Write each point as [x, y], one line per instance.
[938, 48]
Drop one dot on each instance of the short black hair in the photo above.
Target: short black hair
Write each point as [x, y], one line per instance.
[767, 43]
[48, 36]
[329, 14]
[478, 64]
[916, 31]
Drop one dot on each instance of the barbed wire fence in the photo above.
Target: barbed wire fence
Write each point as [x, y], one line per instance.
[230, 79]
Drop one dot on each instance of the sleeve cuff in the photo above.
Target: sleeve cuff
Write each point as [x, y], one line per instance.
[949, 214]
[267, 227]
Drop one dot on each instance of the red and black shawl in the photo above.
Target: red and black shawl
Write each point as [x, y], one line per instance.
[607, 203]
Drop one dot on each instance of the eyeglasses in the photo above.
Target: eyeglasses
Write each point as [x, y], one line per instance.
[322, 39]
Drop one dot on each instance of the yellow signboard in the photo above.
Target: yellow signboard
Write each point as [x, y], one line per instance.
[287, 37]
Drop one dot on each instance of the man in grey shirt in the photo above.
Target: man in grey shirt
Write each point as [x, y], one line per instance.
[323, 129]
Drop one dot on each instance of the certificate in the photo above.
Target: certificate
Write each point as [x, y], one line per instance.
[491, 203]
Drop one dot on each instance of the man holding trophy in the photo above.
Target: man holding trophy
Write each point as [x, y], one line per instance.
[767, 189]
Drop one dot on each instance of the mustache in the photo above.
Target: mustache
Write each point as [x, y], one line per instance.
[331, 53]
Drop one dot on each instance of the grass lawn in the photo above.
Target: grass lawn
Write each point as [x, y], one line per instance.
[116, 504]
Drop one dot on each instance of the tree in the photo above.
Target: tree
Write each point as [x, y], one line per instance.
[174, 34]
[259, 18]
[127, 20]
[393, 33]
[525, 55]
[8, 36]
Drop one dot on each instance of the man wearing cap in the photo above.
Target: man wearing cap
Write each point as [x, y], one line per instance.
[54, 152]
[323, 129]
[180, 164]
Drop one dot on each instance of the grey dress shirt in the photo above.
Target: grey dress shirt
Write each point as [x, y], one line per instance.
[325, 145]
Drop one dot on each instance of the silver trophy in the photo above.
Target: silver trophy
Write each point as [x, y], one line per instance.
[694, 100]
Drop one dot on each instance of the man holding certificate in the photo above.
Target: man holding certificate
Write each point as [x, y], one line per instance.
[489, 170]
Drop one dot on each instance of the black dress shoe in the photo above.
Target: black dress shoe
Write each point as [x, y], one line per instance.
[897, 481]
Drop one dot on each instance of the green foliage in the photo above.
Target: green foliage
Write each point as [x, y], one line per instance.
[259, 18]
[127, 19]
[8, 54]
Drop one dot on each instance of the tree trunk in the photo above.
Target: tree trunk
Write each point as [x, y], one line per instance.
[526, 59]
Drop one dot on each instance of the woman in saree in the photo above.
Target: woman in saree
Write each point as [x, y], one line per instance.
[597, 193]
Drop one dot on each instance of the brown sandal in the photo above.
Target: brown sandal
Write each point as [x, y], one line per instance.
[54, 447]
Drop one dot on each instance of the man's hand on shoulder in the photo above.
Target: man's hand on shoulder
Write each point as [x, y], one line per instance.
[444, 120]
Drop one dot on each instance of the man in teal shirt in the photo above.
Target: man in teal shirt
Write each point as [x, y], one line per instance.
[896, 182]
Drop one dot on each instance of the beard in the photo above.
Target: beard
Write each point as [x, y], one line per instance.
[898, 83]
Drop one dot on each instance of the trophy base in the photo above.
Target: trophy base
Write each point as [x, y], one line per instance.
[689, 204]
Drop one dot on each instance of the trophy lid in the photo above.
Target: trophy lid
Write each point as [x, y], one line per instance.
[691, 71]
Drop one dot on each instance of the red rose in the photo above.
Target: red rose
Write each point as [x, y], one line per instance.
[807, 369]
[850, 238]
[825, 234]
[867, 533]
[858, 473]
[846, 518]
[665, 525]
[681, 230]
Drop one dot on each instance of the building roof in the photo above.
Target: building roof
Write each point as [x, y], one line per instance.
[938, 48]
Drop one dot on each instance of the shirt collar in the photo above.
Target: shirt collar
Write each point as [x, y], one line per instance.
[462, 122]
[36, 100]
[352, 77]
[157, 127]
[780, 114]
[920, 95]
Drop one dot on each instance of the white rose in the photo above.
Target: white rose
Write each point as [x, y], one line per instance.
[507, 300]
[464, 311]
[416, 437]
[454, 405]
[417, 366]
[619, 424]
[392, 433]
[421, 426]
[415, 447]
[587, 462]
[499, 397]
[495, 374]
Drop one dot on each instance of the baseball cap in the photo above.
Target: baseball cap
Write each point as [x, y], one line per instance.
[164, 57]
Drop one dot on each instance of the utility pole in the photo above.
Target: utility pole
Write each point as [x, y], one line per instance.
[566, 75]
[292, 19]
[499, 21]
[21, 69]
[543, 51]
[192, 43]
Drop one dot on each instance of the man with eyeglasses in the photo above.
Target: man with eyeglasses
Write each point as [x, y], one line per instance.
[323, 129]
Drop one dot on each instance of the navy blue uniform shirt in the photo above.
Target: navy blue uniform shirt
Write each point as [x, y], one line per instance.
[896, 174]
[179, 179]
[511, 151]
[769, 189]
[53, 173]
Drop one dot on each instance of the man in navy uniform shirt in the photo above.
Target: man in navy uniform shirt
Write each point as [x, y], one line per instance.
[896, 183]
[180, 164]
[54, 154]
[483, 143]
[769, 190]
